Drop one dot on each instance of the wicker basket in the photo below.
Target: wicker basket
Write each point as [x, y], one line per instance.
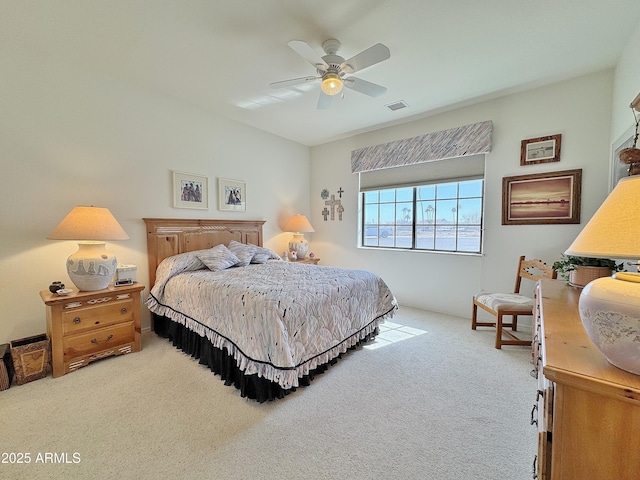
[629, 155]
[6, 367]
[31, 358]
[583, 275]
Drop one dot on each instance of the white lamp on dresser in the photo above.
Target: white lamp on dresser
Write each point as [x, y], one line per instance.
[92, 267]
[610, 306]
[299, 225]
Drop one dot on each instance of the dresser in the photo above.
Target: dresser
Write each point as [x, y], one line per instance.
[313, 261]
[586, 410]
[88, 326]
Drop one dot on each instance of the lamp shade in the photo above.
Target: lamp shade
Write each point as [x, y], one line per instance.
[89, 223]
[298, 223]
[614, 230]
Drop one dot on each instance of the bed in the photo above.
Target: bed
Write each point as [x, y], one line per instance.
[264, 325]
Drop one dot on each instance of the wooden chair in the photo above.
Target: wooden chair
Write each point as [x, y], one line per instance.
[514, 304]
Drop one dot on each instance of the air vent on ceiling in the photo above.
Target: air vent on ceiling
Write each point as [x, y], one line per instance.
[397, 105]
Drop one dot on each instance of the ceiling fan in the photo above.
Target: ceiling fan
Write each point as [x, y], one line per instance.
[335, 72]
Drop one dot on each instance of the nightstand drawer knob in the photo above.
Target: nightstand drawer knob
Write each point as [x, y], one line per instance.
[95, 340]
[123, 310]
[76, 320]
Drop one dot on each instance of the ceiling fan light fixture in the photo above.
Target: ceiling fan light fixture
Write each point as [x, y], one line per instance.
[331, 84]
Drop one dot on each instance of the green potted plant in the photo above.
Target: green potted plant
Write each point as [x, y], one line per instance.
[579, 271]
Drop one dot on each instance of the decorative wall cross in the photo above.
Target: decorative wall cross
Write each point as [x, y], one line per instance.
[335, 205]
[332, 203]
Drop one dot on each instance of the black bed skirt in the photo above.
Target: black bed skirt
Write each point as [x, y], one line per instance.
[221, 363]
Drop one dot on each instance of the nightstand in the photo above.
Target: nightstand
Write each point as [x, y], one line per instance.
[313, 261]
[88, 326]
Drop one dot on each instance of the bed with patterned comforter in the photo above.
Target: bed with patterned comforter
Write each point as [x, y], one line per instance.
[279, 321]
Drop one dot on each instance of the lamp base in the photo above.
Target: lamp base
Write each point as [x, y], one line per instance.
[92, 267]
[299, 245]
[610, 312]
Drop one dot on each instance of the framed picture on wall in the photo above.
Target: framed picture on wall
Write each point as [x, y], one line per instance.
[540, 150]
[190, 190]
[543, 198]
[232, 195]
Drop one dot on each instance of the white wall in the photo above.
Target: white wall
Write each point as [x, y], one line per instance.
[70, 137]
[626, 86]
[579, 109]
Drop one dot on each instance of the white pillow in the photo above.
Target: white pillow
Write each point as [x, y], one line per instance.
[263, 255]
[218, 258]
[244, 252]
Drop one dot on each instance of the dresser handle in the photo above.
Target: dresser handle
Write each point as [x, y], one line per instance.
[534, 421]
[123, 310]
[76, 320]
[95, 340]
[535, 467]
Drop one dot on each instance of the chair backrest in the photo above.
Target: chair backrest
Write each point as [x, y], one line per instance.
[533, 269]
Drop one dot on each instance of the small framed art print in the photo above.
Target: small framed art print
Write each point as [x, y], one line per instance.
[232, 195]
[540, 150]
[190, 190]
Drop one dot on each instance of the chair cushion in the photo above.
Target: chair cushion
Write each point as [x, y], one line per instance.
[513, 302]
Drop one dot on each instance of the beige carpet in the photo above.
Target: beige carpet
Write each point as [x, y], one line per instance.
[441, 405]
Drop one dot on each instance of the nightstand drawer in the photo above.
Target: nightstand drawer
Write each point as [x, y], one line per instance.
[101, 315]
[98, 340]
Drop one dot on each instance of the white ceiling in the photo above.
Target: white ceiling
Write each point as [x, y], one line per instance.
[221, 55]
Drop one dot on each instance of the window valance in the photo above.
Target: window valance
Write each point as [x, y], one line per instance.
[456, 142]
[453, 169]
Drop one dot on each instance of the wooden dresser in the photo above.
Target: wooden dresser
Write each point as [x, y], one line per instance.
[88, 326]
[587, 411]
[313, 261]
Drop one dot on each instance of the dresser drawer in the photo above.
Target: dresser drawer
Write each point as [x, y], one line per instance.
[102, 315]
[98, 340]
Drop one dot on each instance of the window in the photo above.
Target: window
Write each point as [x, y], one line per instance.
[443, 217]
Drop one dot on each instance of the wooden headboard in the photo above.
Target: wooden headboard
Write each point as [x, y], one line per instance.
[171, 236]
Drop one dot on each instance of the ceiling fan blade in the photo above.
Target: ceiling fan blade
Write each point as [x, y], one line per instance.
[293, 82]
[366, 58]
[305, 51]
[324, 101]
[362, 86]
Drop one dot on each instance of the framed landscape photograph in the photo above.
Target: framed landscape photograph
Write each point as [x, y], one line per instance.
[232, 195]
[190, 190]
[540, 150]
[543, 198]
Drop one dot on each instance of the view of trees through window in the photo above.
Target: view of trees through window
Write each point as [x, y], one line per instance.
[441, 217]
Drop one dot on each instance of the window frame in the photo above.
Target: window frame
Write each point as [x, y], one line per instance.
[414, 225]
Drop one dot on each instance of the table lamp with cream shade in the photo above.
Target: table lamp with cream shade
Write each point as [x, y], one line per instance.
[299, 225]
[92, 267]
[610, 306]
